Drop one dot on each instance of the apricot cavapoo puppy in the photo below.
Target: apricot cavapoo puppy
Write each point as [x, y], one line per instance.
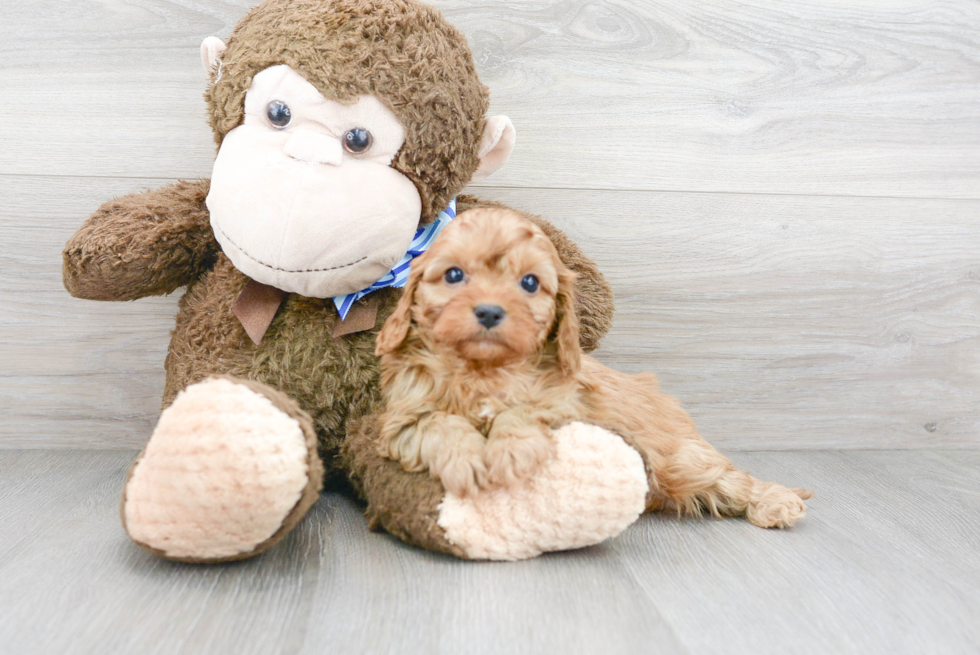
[481, 359]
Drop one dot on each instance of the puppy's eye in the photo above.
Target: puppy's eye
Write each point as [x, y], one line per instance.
[454, 275]
[357, 140]
[279, 114]
[530, 283]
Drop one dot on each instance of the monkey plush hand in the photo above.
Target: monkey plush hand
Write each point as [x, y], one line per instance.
[345, 129]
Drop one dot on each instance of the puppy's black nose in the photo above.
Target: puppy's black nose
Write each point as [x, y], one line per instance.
[489, 315]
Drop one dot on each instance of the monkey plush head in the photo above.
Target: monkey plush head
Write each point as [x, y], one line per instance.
[342, 126]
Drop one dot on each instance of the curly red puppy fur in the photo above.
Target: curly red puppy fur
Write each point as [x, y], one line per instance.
[481, 360]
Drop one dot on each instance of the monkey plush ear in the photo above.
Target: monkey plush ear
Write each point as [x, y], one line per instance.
[496, 145]
[211, 51]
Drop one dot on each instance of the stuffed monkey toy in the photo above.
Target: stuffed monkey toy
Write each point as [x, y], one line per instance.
[346, 130]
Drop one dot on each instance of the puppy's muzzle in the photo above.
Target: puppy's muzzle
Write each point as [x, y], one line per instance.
[489, 316]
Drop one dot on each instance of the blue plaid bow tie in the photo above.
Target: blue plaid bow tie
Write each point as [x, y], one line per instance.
[398, 276]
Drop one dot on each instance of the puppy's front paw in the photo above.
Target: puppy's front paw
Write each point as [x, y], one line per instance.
[515, 455]
[461, 469]
[779, 507]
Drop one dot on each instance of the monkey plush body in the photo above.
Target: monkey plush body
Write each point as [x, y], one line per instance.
[343, 127]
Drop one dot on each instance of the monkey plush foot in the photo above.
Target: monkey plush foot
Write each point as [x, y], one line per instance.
[230, 468]
[591, 489]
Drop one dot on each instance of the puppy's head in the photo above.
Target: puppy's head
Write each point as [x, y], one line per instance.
[493, 289]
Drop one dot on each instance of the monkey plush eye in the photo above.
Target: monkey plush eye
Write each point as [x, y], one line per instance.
[529, 283]
[279, 114]
[454, 275]
[357, 140]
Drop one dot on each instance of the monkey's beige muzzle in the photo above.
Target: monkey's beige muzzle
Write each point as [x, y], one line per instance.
[304, 226]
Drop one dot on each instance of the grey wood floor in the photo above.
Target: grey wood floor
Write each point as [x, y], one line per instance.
[887, 561]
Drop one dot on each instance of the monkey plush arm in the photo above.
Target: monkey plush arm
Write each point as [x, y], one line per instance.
[403, 503]
[593, 295]
[143, 244]
[592, 488]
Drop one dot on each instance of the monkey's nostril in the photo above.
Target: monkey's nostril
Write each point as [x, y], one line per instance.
[489, 315]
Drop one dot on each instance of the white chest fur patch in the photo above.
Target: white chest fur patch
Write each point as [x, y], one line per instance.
[487, 410]
[593, 489]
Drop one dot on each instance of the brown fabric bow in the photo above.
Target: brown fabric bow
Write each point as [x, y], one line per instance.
[258, 303]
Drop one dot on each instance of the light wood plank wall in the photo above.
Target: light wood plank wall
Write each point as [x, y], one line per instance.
[785, 197]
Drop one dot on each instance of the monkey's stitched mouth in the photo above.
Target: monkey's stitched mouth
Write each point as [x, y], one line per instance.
[286, 270]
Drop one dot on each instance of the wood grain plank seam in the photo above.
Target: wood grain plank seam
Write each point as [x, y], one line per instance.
[545, 188]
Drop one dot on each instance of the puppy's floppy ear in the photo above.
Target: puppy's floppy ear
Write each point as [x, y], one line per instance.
[566, 332]
[395, 330]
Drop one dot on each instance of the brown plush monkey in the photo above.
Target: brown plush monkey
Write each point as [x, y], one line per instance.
[343, 126]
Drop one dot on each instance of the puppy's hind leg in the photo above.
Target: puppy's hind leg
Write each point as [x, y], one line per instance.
[697, 478]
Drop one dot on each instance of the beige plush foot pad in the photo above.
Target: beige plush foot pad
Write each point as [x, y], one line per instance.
[224, 470]
[592, 489]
